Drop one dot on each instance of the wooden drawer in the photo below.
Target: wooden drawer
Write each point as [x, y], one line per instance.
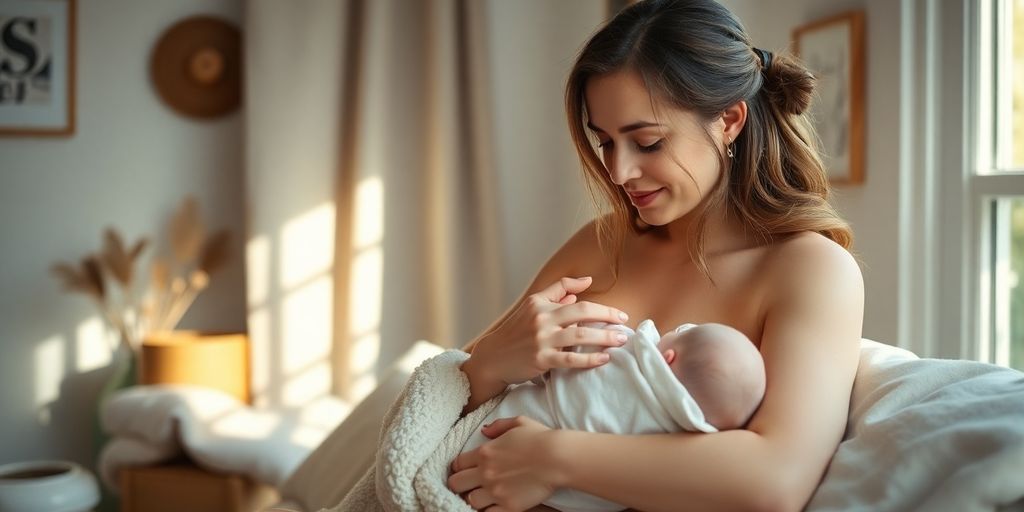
[179, 487]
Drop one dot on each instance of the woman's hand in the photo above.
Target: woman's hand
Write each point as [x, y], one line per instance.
[531, 340]
[515, 471]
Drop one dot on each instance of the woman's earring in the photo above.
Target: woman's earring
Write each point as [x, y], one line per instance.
[728, 151]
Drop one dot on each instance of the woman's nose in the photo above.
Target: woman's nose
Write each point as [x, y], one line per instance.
[624, 168]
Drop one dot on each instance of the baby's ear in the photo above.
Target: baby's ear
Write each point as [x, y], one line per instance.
[670, 355]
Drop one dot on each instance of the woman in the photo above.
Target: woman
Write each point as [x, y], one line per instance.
[719, 214]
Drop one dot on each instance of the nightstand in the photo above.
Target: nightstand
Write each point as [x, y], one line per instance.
[182, 486]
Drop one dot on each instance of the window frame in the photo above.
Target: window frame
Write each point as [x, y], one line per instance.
[952, 250]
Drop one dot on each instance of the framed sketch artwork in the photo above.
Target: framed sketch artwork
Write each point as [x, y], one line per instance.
[833, 50]
[37, 67]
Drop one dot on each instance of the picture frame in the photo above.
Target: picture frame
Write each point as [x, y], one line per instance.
[37, 67]
[833, 50]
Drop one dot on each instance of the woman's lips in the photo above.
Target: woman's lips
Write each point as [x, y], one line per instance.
[643, 200]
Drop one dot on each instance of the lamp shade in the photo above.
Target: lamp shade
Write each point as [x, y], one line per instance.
[218, 361]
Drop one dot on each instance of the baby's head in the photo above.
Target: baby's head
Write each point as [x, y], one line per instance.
[721, 369]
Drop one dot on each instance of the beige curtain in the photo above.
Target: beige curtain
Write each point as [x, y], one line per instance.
[370, 190]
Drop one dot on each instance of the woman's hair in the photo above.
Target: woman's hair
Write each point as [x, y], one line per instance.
[695, 55]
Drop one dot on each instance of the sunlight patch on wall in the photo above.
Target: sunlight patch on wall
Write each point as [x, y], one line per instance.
[369, 230]
[365, 352]
[366, 286]
[306, 323]
[257, 268]
[307, 246]
[92, 345]
[260, 354]
[366, 292]
[306, 387]
[49, 370]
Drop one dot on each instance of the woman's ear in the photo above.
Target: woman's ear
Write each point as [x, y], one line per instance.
[733, 119]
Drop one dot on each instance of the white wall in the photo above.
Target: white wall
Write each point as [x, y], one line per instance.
[533, 46]
[873, 207]
[128, 165]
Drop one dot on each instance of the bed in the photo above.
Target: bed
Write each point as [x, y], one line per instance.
[923, 434]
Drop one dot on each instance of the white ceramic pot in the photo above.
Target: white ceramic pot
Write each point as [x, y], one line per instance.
[47, 486]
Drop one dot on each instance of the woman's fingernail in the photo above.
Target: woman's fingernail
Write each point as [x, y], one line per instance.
[621, 338]
[623, 316]
[603, 358]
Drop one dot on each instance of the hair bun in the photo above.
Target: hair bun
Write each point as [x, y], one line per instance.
[788, 84]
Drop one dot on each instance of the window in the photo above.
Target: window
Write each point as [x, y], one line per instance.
[997, 183]
[962, 180]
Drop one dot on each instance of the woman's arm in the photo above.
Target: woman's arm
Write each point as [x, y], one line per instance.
[810, 345]
[527, 339]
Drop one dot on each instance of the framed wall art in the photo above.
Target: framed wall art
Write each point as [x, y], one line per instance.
[833, 50]
[37, 67]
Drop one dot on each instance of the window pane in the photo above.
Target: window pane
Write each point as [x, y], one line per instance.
[1016, 39]
[1015, 348]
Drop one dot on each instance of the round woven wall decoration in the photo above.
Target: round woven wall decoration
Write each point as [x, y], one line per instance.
[196, 67]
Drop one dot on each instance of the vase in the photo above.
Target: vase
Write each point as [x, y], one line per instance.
[47, 486]
[124, 374]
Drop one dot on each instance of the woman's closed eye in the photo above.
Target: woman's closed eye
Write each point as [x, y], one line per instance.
[650, 148]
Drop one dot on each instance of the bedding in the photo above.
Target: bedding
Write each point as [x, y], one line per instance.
[923, 434]
[152, 424]
[928, 434]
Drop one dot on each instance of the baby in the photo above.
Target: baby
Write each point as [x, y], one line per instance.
[698, 378]
[721, 369]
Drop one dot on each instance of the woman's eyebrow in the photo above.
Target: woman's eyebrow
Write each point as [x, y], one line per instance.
[625, 129]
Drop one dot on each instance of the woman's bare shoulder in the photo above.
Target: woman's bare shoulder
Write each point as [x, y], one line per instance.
[805, 259]
[808, 248]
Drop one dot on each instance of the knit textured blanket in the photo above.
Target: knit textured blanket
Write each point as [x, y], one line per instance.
[422, 433]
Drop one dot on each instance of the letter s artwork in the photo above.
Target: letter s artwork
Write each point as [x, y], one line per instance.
[26, 60]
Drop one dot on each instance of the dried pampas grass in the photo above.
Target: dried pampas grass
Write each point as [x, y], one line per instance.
[174, 282]
[215, 252]
[118, 259]
[187, 231]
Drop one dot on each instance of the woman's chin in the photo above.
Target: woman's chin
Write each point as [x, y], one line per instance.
[652, 218]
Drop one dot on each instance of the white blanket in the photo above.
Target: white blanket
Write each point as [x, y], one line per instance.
[928, 434]
[152, 424]
[635, 392]
[923, 434]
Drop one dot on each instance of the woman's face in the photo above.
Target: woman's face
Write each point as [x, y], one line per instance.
[642, 152]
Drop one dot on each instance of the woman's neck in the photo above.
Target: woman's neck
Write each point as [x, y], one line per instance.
[723, 233]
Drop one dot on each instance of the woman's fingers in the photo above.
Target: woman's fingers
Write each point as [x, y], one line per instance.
[470, 459]
[577, 360]
[573, 336]
[564, 286]
[465, 480]
[587, 311]
[480, 499]
[502, 425]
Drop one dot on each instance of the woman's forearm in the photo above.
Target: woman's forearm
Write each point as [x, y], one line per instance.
[733, 470]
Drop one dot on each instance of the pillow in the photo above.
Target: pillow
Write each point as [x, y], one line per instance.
[335, 466]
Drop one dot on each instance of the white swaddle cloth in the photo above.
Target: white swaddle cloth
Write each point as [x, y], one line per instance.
[634, 393]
